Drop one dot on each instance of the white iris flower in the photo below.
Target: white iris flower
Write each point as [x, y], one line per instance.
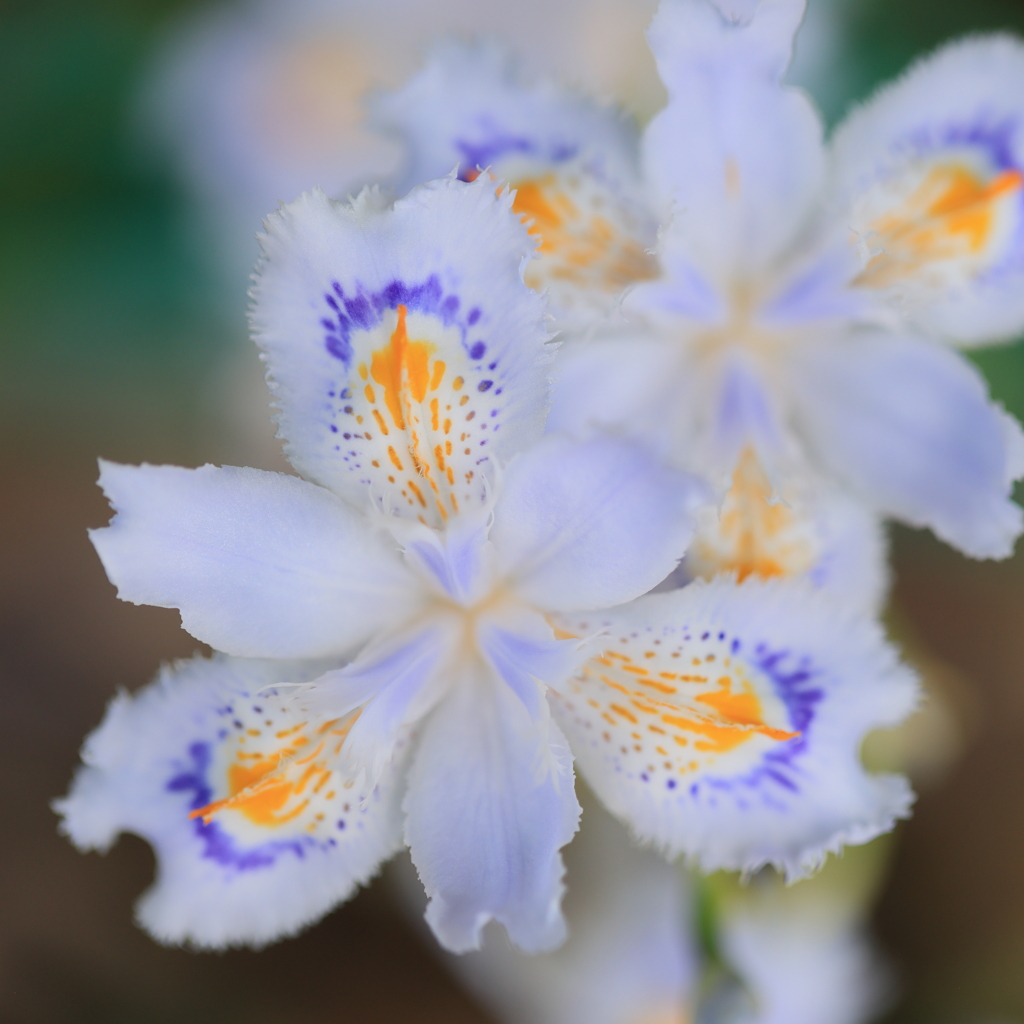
[408, 359]
[730, 286]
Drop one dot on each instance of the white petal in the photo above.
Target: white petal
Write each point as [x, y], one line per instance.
[295, 836]
[724, 722]
[739, 154]
[470, 107]
[490, 804]
[627, 384]
[930, 171]
[259, 564]
[629, 957]
[580, 524]
[404, 350]
[907, 425]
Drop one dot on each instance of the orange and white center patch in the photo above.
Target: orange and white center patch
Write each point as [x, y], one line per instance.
[750, 536]
[275, 775]
[669, 709]
[938, 224]
[591, 245]
[418, 413]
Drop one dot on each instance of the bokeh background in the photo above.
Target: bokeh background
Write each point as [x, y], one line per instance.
[119, 337]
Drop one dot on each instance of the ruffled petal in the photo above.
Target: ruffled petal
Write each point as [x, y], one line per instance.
[739, 155]
[584, 524]
[490, 804]
[724, 722]
[930, 174]
[908, 426]
[259, 564]
[594, 237]
[629, 958]
[256, 829]
[403, 349]
[470, 108]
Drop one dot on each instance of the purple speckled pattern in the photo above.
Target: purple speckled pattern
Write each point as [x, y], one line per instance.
[794, 682]
[354, 308]
[191, 774]
[769, 780]
[363, 310]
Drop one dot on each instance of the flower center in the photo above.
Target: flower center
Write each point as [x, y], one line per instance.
[741, 331]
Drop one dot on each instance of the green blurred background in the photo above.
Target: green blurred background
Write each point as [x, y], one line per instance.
[111, 331]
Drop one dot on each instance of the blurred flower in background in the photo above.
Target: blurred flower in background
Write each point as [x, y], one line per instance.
[119, 279]
[255, 101]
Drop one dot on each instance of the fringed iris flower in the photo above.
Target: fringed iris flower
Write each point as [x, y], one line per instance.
[802, 302]
[426, 548]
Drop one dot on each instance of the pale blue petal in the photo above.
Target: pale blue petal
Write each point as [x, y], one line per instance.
[738, 155]
[724, 722]
[230, 880]
[681, 291]
[470, 108]
[394, 661]
[259, 564]
[630, 957]
[908, 426]
[411, 671]
[404, 350]
[523, 651]
[805, 960]
[489, 806]
[744, 414]
[628, 385]
[455, 562]
[591, 523]
[817, 289]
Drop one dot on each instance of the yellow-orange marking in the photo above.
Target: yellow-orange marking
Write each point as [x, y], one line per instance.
[752, 536]
[953, 213]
